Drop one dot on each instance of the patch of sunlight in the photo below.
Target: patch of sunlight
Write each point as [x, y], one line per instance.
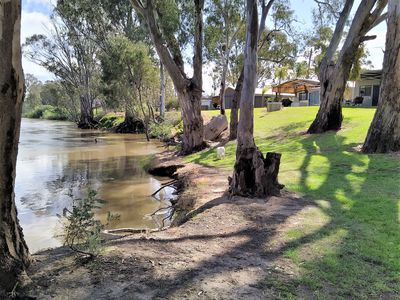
[398, 213]
[324, 204]
[342, 196]
[317, 171]
[356, 181]
[323, 244]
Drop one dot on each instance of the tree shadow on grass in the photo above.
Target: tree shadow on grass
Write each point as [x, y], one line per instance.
[358, 247]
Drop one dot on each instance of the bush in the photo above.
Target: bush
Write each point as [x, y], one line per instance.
[48, 112]
[111, 120]
[162, 131]
[82, 232]
[172, 104]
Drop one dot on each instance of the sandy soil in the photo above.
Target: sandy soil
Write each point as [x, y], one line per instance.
[226, 249]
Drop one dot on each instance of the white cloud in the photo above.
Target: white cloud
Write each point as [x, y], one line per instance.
[34, 23]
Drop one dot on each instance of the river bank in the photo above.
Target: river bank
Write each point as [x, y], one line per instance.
[226, 248]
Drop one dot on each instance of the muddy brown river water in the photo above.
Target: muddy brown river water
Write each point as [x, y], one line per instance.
[56, 159]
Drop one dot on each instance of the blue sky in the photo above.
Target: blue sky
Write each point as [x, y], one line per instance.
[36, 13]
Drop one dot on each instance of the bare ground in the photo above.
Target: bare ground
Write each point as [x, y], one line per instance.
[226, 249]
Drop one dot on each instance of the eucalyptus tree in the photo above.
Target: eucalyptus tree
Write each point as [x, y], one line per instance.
[253, 175]
[281, 19]
[224, 23]
[71, 56]
[335, 68]
[171, 25]
[130, 74]
[14, 254]
[384, 132]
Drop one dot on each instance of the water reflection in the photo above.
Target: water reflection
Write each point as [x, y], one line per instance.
[55, 158]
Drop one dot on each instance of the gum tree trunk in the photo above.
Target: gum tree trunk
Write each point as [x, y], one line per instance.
[253, 175]
[233, 124]
[14, 254]
[384, 132]
[188, 89]
[162, 91]
[334, 75]
[86, 120]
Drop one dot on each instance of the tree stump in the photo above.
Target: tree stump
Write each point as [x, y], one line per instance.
[254, 175]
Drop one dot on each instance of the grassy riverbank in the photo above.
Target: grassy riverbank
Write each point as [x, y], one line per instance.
[350, 243]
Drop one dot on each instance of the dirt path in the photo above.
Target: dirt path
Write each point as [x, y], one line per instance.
[227, 249]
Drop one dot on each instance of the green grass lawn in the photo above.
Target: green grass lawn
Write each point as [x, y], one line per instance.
[350, 246]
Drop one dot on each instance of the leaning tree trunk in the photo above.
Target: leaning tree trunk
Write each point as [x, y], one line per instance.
[384, 132]
[253, 175]
[333, 76]
[14, 254]
[162, 90]
[188, 90]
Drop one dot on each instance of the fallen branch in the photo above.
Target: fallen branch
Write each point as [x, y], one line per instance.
[164, 186]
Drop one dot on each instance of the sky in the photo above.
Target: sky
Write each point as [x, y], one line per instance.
[36, 19]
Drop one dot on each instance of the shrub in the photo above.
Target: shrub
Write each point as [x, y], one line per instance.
[162, 131]
[48, 112]
[111, 120]
[82, 232]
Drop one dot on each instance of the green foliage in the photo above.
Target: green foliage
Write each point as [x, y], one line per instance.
[172, 103]
[47, 112]
[110, 120]
[82, 231]
[351, 247]
[162, 131]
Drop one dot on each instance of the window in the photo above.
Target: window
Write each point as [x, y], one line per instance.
[302, 96]
[365, 90]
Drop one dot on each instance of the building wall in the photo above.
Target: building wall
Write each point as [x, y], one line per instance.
[368, 99]
[259, 101]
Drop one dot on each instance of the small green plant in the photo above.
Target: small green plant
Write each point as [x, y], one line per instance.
[82, 231]
[162, 131]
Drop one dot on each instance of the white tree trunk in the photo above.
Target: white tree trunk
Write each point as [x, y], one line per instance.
[14, 255]
[384, 132]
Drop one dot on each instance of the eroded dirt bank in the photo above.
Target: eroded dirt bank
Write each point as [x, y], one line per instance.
[226, 249]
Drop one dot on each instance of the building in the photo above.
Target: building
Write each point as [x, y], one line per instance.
[260, 98]
[305, 91]
[206, 102]
[367, 88]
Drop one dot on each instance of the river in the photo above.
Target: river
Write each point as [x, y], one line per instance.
[56, 159]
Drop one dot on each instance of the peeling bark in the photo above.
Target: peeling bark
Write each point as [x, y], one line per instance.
[14, 254]
[384, 132]
[253, 175]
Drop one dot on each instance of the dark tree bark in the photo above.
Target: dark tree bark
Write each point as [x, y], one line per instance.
[253, 175]
[189, 90]
[86, 120]
[334, 75]
[238, 89]
[384, 132]
[14, 254]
